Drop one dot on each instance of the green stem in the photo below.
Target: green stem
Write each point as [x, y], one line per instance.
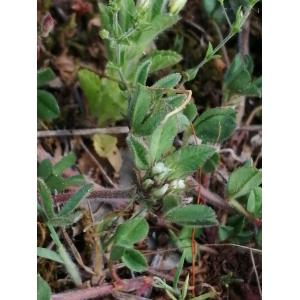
[231, 34]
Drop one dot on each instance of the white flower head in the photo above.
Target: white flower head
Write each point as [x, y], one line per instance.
[161, 191]
[160, 168]
[178, 184]
[148, 183]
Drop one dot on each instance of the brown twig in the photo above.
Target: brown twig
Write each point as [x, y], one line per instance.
[255, 271]
[210, 197]
[245, 248]
[106, 177]
[250, 128]
[125, 285]
[117, 198]
[81, 132]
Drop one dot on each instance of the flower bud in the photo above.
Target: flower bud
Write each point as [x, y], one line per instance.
[160, 191]
[178, 184]
[104, 34]
[176, 6]
[148, 183]
[47, 25]
[160, 168]
[143, 4]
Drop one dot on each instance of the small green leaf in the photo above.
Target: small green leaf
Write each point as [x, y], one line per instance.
[46, 198]
[66, 162]
[66, 220]
[56, 183]
[139, 151]
[74, 180]
[44, 76]
[44, 169]
[254, 203]
[134, 260]
[116, 252]
[212, 163]
[216, 124]
[131, 232]
[192, 215]
[105, 99]
[188, 160]
[74, 201]
[139, 106]
[49, 254]
[209, 51]
[242, 181]
[43, 289]
[190, 111]
[170, 201]
[178, 270]
[142, 72]
[225, 232]
[47, 107]
[168, 81]
[162, 138]
[191, 73]
[162, 59]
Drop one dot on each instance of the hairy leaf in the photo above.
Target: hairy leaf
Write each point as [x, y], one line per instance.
[46, 198]
[49, 254]
[162, 138]
[139, 151]
[162, 59]
[47, 107]
[254, 203]
[168, 81]
[192, 215]
[134, 260]
[131, 232]
[142, 72]
[65, 162]
[44, 76]
[242, 181]
[216, 124]
[44, 169]
[43, 289]
[188, 159]
[74, 201]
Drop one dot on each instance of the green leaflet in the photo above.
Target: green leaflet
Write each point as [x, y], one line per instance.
[134, 260]
[44, 76]
[46, 198]
[216, 125]
[192, 215]
[139, 106]
[254, 203]
[168, 81]
[139, 151]
[47, 107]
[188, 159]
[162, 138]
[242, 181]
[162, 59]
[43, 289]
[131, 232]
[74, 201]
[238, 79]
[142, 72]
[66, 161]
[106, 101]
[49, 254]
